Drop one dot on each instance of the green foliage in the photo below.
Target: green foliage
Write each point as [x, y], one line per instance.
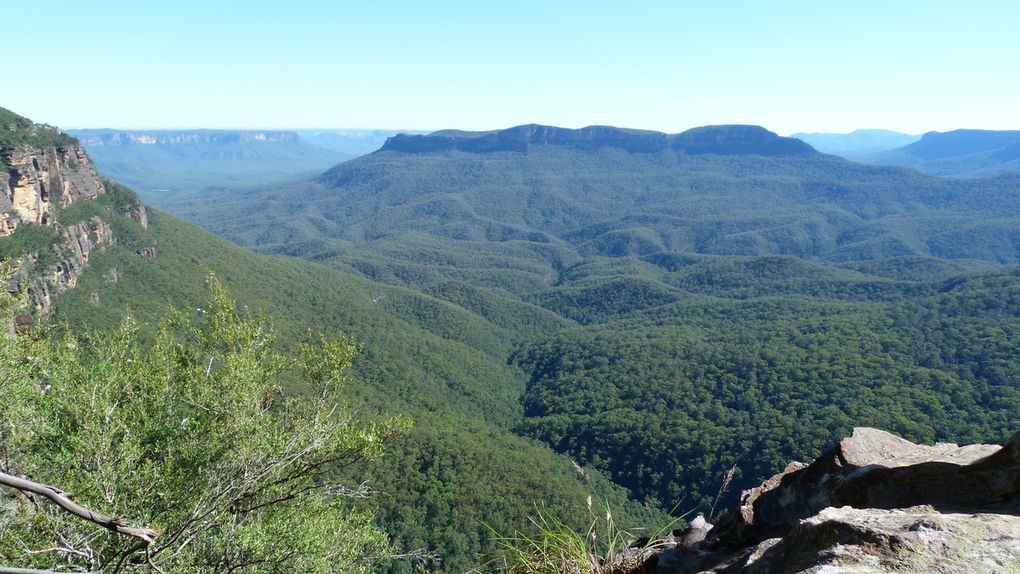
[610, 202]
[668, 317]
[665, 402]
[554, 547]
[450, 472]
[30, 238]
[16, 131]
[193, 435]
[737, 310]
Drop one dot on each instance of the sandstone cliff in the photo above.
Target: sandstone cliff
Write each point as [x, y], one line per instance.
[42, 173]
[41, 168]
[875, 503]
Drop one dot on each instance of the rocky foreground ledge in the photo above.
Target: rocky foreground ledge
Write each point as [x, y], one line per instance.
[875, 503]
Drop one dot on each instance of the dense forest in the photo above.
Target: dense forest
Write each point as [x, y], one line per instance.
[729, 306]
[441, 485]
[659, 313]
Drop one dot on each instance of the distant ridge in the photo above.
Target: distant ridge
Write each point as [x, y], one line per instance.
[163, 164]
[100, 137]
[958, 153]
[941, 145]
[721, 140]
[857, 144]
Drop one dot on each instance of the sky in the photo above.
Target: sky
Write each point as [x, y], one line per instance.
[791, 66]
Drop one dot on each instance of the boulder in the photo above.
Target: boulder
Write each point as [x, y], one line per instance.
[876, 502]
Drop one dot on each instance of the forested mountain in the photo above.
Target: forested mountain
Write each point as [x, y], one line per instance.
[959, 153]
[682, 388]
[603, 191]
[165, 164]
[443, 366]
[740, 296]
[439, 364]
[660, 307]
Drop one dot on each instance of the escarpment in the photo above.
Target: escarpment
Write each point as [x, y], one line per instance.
[44, 175]
[720, 140]
[42, 170]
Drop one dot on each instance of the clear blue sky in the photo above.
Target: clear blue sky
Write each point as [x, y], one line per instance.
[812, 65]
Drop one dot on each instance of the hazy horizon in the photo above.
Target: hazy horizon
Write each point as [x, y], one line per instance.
[427, 130]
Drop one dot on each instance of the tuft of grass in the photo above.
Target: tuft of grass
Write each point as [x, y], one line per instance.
[555, 547]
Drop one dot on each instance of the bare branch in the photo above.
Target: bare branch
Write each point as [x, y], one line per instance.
[6, 570]
[57, 497]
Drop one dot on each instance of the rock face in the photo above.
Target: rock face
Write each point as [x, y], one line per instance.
[42, 172]
[722, 140]
[37, 178]
[80, 240]
[875, 503]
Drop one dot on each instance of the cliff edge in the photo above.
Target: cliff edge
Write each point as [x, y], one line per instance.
[44, 173]
[874, 503]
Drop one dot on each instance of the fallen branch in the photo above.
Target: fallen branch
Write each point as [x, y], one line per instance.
[5, 570]
[148, 535]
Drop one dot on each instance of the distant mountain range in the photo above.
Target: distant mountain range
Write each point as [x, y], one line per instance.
[856, 144]
[724, 190]
[165, 164]
[718, 140]
[959, 153]
[169, 165]
[351, 142]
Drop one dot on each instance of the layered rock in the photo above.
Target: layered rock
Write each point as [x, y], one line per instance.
[45, 171]
[875, 503]
[37, 178]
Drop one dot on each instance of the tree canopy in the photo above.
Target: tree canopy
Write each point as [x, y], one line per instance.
[191, 437]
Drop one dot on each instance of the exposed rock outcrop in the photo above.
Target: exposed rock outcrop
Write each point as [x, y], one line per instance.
[138, 214]
[722, 140]
[80, 240]
[43, 172]
[37, 178]
[875, 503]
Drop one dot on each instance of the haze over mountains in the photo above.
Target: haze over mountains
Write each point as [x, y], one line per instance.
[957, 153]
[163, 164]
[724, 190]
[352, 142]
[858, 143]
[166, 164]
[169, 165]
